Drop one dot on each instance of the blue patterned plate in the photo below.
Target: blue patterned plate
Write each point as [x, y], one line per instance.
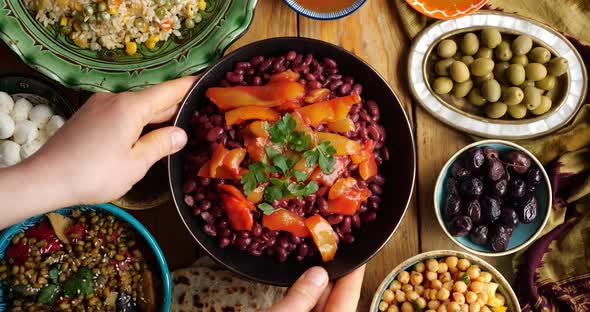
[293, 4]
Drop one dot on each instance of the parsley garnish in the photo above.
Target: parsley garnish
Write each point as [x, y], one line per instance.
[323, 154]
[266, 208]
[48, 294]
[80, 284]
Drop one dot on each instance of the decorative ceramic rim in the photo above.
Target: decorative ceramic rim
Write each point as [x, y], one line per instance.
[440, 14]
[9, 233]
[452, 160]
[488, 127]
[322, 15]
[499, 278]
[79, 76]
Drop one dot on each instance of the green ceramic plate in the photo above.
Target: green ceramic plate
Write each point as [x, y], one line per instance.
[58, 57]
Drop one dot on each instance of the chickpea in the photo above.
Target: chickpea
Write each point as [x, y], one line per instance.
[445, 277]
[433, 304]
[388, 296]
[421, 302]
[463, 264]
[443, 294]
[451, 262]
[403, 277]
[501, 297]
[412, 295]
[453, 307]
[474, 307]
[420, 267]
[464, 308]
[476, 287]
[407, 307]
[460, 286]
[485, 309]
[453, 270]
[470, 297]
[442, 268]
[432, 265]
[430, 310]
[458, 297]
[419, 289]
[393, 308]
[416, 278]
[436, 284]
[431, 275]
[482, 298]
[407, 287]
[383, 306]
[448, 285]
[395, 285]
[442, 308]
[487, 277]
[400, 296]
[430, 294]
[473, 272]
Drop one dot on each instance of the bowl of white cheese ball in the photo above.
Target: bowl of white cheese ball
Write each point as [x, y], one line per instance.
[31, 111]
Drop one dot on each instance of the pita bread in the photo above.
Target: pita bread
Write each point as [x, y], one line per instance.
[205, 287]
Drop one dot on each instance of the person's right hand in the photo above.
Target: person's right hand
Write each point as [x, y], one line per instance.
[313, 292]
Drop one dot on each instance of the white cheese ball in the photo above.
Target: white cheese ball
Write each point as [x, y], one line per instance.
[21, 109]
[25, 131]
[6, 103]
[30, 148]
[9, 153]
[54, 124]
[42, 136]
[6, 126]
[40, 115]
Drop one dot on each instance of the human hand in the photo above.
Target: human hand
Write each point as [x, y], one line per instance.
[313, 292]
[98, 155]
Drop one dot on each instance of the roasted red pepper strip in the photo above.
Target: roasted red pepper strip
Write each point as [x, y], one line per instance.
[237, 207]
[241, 114]
[233, 159]
[342, 125]
[287, 75]
[328, 111]
[235, 192]
[285, 220]
[366, 161]
[224, 164]
[345, 196]
[342, 144]
[364, 154]
[323, 236]
[219, 153]
[273, 94]
[329, 179]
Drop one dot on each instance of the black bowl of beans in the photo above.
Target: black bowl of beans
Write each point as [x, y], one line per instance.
[290, 163]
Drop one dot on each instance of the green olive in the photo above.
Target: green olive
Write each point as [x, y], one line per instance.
[519, 59]
[546, 83]
[527, 83]
[500, 71]
[198, 18]
[442, 85]
[503, 52]
[446, 48]
[484, 52]
[522, 45]
[532, 98]
[479, 80]
[467, 59]
[540, 55]
[512, 96]
[461, 90]
[496, 110]
[543, 107]
[517, 111]
[491, 37]
[139, 23]
[85, 26]
[469, 44]
[557, 66]
[491, 90]
[105, 16]
[91, 19]
[474, 97]
[535, 71]
[459, 71]
[482, 66]
[88, 10]
[442, 67]
[189, 23]
[515, 74]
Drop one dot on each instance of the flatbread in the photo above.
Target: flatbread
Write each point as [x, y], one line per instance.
[205, 287]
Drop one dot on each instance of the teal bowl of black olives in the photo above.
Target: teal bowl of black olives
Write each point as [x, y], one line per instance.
[493, 198]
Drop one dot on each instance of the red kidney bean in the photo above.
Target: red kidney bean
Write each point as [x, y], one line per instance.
[282, 254]
[372, 107]
[205, 205]
[320, 128]
[355, 109]
[216, 120]
[210, 230]
[314, 85]
[322, 190]
[257, 60]
[307, 60]
[330, 62]
[207, 217]
[385, 152]
[348, 79]
[301, 81]
[335, 77]
[291, 55]
[344, 89]
[363, 208]
[277, 64]
[233, 238]
[376, 189]
[243, 65]
[189, 200]
[354, 117]
[357, 89]
[254, 252]
[234, 77]
[345, 225]
[332, 71]
[322, 204]
[200, 196]
[335, 84]
[243, 243]
[348, 238]
[256, 81]
[292, 247]
[378, 160]
[298, 59]
[335, 219]
[374, 133]
[224, 232]
[214, 133]
[264, 66]
[368, 216]
[244, 234]
[363, 133]
[365, 116]
[224, 242]
[309, 77]
[356, 221]
[250, 71]
[189, 186]
[224, 83]
[374, 206]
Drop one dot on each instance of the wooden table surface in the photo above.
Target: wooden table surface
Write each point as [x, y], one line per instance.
[375, 34]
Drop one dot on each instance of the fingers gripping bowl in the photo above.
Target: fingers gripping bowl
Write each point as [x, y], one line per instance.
[261, 64]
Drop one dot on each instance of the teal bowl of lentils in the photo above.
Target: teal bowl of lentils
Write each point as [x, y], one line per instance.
[83, 258]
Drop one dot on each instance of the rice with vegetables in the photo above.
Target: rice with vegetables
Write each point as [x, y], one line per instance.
[115, 24]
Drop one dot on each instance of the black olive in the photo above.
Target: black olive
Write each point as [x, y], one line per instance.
[498, 237]
[491, 209]
[475, 159]
[527, 209]
[516, 188]
[460, 226]
[509, 230]
[471, 187]
[498, 188]
[460, 173]
[533, 178]
[451, 185]
[509, 217]
[491, 153]
[518, 161]
[495, 170]
[452, 206]
[473, 210]
[479, 235]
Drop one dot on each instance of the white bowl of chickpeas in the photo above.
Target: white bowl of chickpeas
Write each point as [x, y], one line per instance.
[445, 280]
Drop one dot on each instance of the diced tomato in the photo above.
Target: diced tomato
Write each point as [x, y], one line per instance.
[19, 252]
[166, 24]
[44, 231]
[342, 144]
[76, 232]
[241, 114]
[342, 125]
[328, 111]
[345, 196]
[233, 159]
[257, 194]
[287, 75]
[285, 220]
[273, 94]
[328, 179]
[323, 236]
